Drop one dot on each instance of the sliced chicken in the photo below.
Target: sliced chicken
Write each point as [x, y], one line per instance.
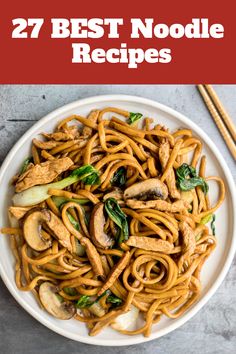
[176, 207]
[60, 136]
[150, 189]
[43, 173]
[115, 272]
[45, 145]
[59, 230]
[189, 242]
[150, 244]
[93, 256]
[19, 212]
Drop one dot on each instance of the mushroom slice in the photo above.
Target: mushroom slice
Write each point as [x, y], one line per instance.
[54, 304]
[32, 228]
[97, 222]
[59, 230]
[150, 244]
[149, 189]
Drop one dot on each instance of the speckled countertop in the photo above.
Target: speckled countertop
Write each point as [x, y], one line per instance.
[213, 329]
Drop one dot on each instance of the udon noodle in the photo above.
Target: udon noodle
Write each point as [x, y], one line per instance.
[130, 242]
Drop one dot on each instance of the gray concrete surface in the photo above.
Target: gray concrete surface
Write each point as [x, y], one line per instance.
[213, 329]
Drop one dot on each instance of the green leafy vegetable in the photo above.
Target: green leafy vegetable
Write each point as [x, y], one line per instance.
[59, 201]
[114, 300]
[86, 218]
[37, 194]
[87, 174]
[188, 179]
[119, 178]
[134, 117]
[73, 221]
[206, 219]
[26, 164]
[213, 227]
[84, 301]
[209, 218]
[118, 216]
[70, 291]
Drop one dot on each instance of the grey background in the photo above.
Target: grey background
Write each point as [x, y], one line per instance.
[213, 329]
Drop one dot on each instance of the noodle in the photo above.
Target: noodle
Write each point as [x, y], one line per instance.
[95, 261]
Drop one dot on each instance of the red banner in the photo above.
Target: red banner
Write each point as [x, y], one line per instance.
[35, 57]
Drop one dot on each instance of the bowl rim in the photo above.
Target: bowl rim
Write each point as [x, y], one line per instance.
[228, 260]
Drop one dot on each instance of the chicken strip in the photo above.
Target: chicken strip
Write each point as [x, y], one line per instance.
[176, 207]
[189, 242]
[115, 272]
[45, 145]
[150, 244]
[42, 173]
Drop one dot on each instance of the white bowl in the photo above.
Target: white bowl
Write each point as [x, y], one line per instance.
[213, 271]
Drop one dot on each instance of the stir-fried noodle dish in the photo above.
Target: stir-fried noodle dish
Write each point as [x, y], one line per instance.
[111, 221]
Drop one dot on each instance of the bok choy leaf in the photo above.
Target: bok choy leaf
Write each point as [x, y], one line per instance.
[134, 117]
[118, 216]
[188, 179]
[37, 194]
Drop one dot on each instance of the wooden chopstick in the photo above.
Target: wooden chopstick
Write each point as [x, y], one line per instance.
[226, 118]
[218, 120]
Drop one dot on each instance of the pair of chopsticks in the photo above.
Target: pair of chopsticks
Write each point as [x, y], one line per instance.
[220, 116]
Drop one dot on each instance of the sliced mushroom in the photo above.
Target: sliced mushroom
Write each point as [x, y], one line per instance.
[54, 304]
[97, 222]
[149, 189]
[32, 228]
[150, 244]
[34, 234]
